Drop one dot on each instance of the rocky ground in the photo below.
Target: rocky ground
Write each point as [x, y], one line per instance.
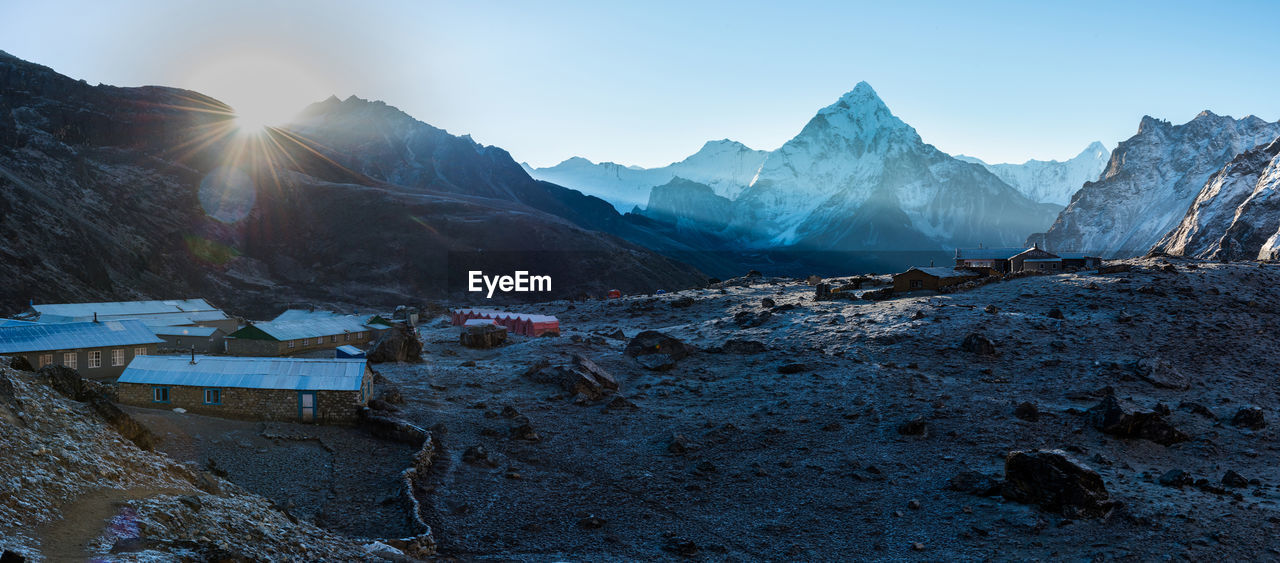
[848, 432]
[342, 479]
[1128, 415]
[72, 488]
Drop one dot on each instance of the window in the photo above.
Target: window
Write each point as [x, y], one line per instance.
[117, 357]
[291, 343]
[159, 394]
[916, 284]
[213, 396]
[139, 351]
[95, 359]
[333, 339]
[46, 359]
[69, 360]
[346, 337]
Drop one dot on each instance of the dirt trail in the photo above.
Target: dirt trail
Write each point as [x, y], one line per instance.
[85, 518]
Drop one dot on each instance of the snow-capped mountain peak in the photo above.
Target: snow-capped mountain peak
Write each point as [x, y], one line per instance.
[1051, 181]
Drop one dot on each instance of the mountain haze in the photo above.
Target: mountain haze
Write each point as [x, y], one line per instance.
[1051, 181]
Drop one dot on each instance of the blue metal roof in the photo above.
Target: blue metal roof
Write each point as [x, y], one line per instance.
[184, 330]
[71, 336]
[303, 374]
[14, 322]
[155, 313]
[312, 327]
[348, 351]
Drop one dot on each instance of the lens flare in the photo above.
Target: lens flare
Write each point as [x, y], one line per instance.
[227, 194]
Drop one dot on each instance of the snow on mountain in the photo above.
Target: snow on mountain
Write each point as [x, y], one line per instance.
[1051, 181]
[1150, 182]
[1236, 215]
[858, 178]
[726, 166]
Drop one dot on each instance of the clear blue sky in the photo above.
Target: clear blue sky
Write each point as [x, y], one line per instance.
[648, 82]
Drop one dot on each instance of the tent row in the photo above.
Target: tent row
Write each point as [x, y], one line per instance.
[518, 323]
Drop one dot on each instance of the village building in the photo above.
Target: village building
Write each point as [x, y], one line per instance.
[324, 390]
[201, 339]
[290, 337]
[916, 279]
[98, 350]
[518, 323]
[174, 312]
[999, 261]
[1079, 261]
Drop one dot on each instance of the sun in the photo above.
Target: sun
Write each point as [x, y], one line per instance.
[262, 89]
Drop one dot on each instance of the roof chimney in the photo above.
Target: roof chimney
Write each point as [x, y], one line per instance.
[193, 355]
[95, 316]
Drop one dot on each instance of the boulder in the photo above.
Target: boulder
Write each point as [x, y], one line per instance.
[979, 344]
[1027, 411]
[1161, 374]
[656, 351]
[1249, 417]
[748, 319]
[1056, 483]
[914, 427]
[767, 302]
[1175, 478]
[1125, 419]
[399, 344]
[1233, 479]
[485, 336]
[682, 302]
[791, 368]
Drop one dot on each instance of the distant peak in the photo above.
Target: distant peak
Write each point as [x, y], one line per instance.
[1206, 114]
[1095, 147]
[862, 94]
[1148, 123]
[723, 144]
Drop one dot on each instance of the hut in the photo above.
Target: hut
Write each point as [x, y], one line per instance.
[276, 389]
[1006, 260]
[1079, 261]
[98, 350]
[915, 279]
[286, 338]
[517, 323]
[202, 339]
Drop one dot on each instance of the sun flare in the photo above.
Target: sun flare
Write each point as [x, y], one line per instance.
[263, 90]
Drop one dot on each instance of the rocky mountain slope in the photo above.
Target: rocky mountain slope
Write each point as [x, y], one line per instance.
[1051, 181]
[1151, 181]
[858, 178]
[1236, 215]
[116, 193]
[72, 488]
[727, 166]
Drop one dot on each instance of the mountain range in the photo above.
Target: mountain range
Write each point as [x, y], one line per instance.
[856, 178]
[119, 193]
[1051, 181]
[1150, 182]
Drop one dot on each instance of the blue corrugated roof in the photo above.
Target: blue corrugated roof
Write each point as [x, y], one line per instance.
[14, 322]
[69, 336]
[304, 314]
[155, 313]
[184, 330]
[313, 327]
[303, 374]
[348, 351]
